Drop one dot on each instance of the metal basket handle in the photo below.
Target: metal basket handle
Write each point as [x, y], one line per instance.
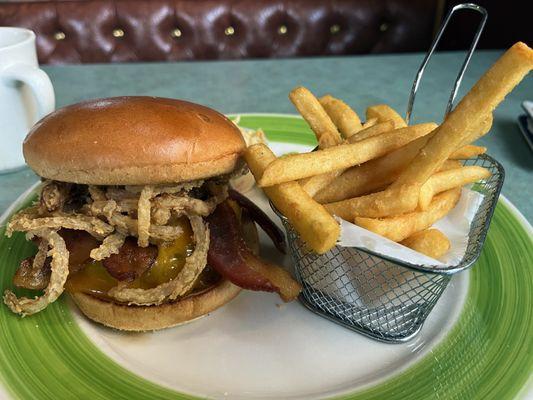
[457, 83]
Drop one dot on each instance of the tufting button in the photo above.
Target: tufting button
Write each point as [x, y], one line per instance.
[282, 30]
[229, 31]
[118, 33]
[383, 27]
[176, 33]
[59, 35]
[334, 29]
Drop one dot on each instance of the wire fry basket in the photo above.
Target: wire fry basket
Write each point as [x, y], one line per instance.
[385, 299]
[380, 297]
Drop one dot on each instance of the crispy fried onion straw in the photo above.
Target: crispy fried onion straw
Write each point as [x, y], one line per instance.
[29, 221]
[128, 226]
[160, 215]
[194, 264]
[59, 253]
[110, 245]
[182, 205]
[40, 257]
[96, 193]
[106, 208]
[187, 205]
[153, 208]
[109, 207]
[143, 215]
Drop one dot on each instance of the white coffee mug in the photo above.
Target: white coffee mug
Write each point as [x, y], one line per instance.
[26, 93]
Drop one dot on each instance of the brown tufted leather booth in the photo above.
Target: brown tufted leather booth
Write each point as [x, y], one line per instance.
[157, 30]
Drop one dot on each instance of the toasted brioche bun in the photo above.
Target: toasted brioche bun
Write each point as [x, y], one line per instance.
[149, 318]
[133, 141]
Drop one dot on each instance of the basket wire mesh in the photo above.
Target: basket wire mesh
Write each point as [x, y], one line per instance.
[385, 299]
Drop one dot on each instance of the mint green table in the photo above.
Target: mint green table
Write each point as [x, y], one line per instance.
[263, 86]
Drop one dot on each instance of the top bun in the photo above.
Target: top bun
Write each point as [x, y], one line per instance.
[133, 141]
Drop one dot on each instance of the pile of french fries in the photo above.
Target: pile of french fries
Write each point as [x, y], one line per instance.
[387, 177]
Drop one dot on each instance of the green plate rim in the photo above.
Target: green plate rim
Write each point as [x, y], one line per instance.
[40, 348]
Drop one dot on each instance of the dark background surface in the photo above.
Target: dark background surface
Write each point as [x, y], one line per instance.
[508, 22]
[102, 31]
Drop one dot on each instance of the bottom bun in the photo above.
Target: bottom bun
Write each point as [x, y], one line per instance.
[149, 318]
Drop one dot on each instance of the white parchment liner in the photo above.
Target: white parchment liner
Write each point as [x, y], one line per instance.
[455, 225]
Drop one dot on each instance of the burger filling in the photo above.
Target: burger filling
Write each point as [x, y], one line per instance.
[142, 245]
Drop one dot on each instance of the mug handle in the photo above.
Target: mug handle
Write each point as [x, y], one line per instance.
[37, 80]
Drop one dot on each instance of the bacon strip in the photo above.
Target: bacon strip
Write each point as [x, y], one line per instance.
[34, 272]
[231, 258]
[79, 245]
[131, 261]
[259, 216]
[59, 266]
[181, 284]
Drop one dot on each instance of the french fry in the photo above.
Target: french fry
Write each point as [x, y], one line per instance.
[374, 130]
[470, 113]
[317, 228]
[309, 107]
[372, 175]
[446, 180]
[476, 131]
[345, 119]
[316, 183]
[298, 166]
[401, 227]
[370, 122]
[376, 205]
[467, 151]
[431, 242]
[385, 113]
[450, 164]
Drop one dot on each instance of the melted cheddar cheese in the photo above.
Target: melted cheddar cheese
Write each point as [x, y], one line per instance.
[94, 279]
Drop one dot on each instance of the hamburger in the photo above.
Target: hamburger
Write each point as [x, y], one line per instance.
[136, 219]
